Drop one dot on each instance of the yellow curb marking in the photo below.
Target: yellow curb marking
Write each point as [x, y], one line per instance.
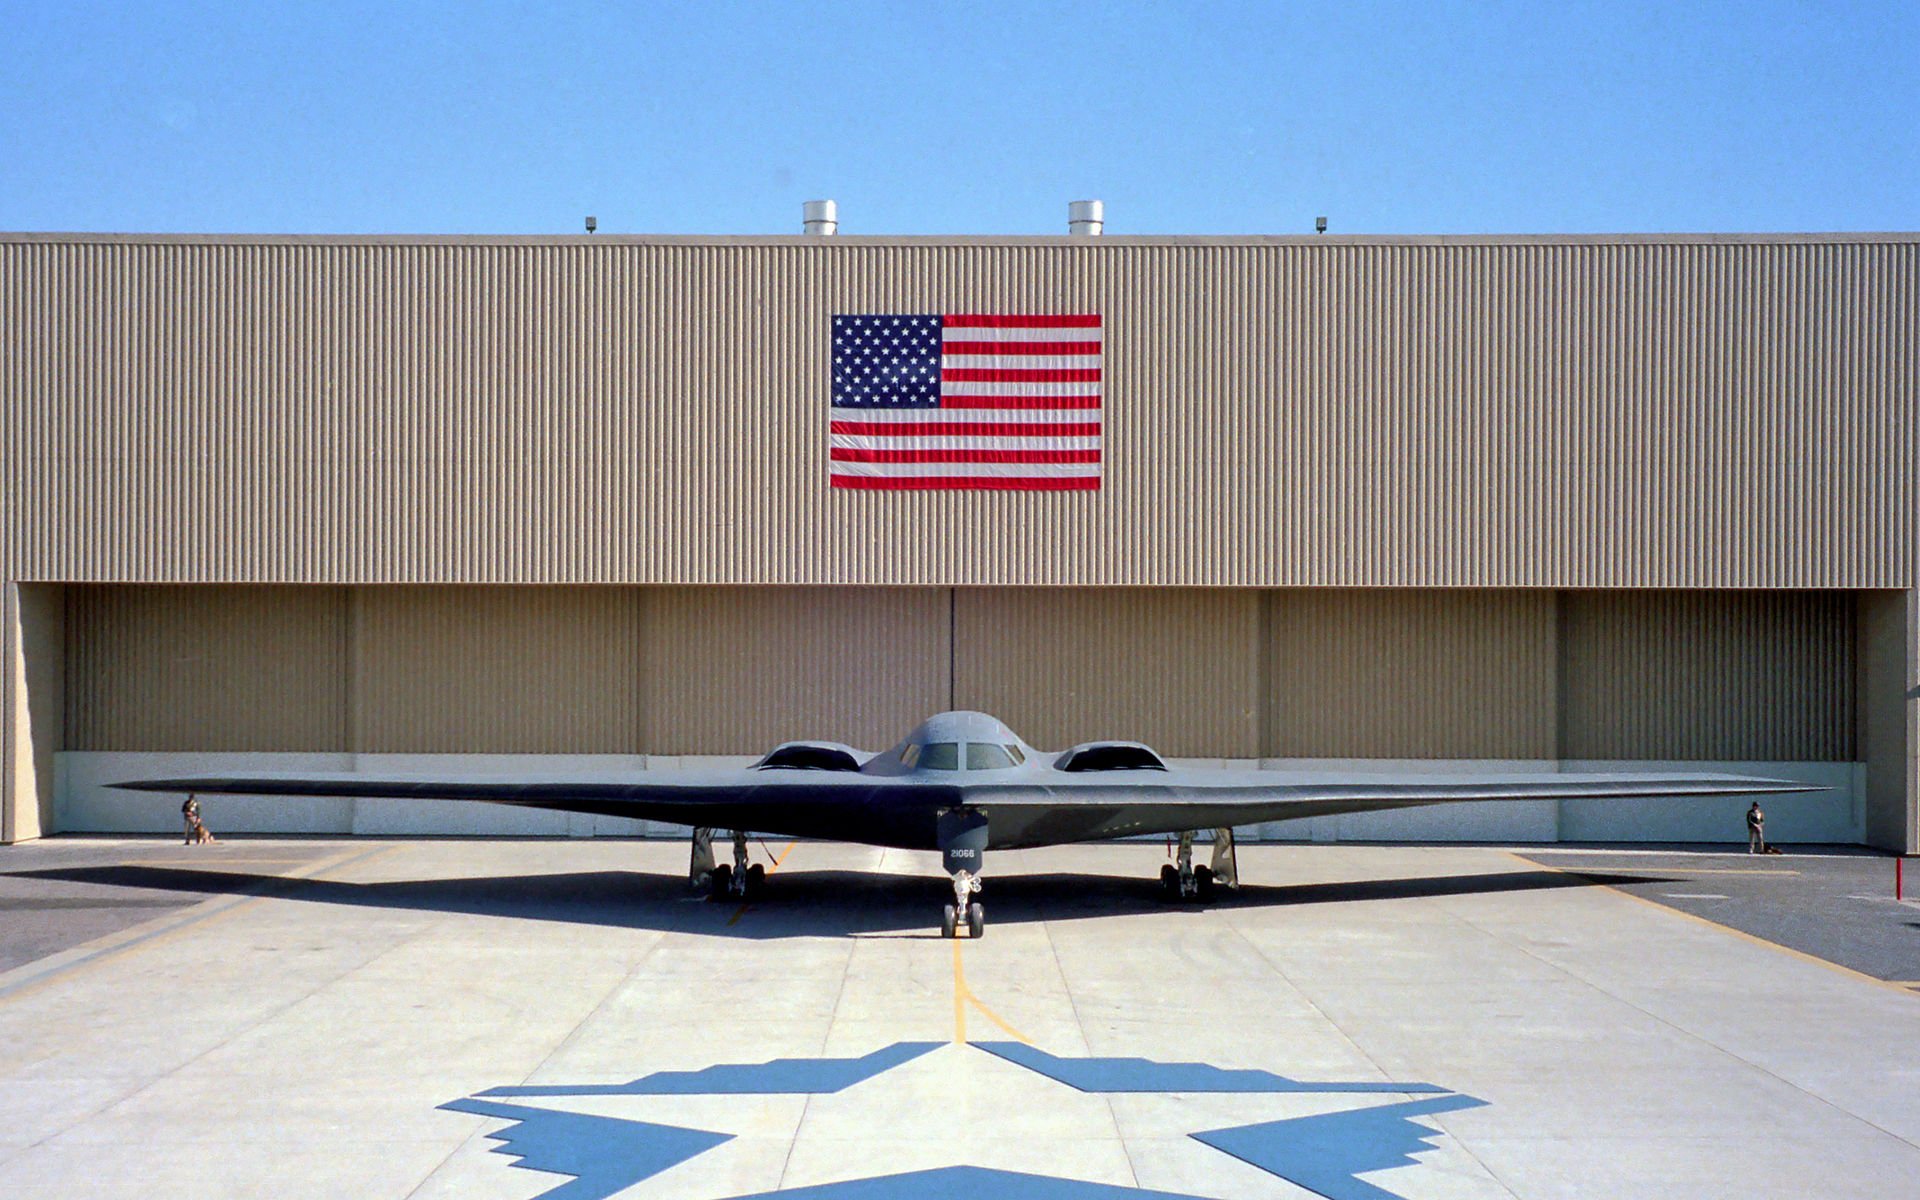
[770, 870]
[1715, 925]
[201, 862]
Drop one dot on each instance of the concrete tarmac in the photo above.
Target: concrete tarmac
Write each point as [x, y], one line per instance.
[513, 1019]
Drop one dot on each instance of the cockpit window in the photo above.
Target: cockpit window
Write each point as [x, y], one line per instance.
[1017, 755]
[940, 756]
[910, 753]
[986, 756]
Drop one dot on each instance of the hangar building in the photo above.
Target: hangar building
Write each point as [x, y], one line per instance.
[339, 502]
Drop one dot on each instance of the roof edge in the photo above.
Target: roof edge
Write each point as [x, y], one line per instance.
[943, 240]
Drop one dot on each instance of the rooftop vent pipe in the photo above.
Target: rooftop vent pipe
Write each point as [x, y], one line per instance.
[1085, 218]
[822, 217]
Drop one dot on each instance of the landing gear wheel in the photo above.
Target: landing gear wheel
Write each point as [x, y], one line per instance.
[949, 920]
[1170, 882]
[976, 919]
[756, 881]
[722, 881]
[1203, 883]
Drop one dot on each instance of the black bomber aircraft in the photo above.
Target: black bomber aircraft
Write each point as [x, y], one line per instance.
[962, 783]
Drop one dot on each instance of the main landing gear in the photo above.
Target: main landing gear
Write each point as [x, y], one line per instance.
[1181, 880]
[740, 882]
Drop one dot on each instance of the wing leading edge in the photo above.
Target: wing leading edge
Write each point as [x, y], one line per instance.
[1034, 807]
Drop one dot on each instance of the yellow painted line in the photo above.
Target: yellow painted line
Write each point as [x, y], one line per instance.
[117, 946]
[770, 870]
[959, 996]
[963, 996]
[1739, 933]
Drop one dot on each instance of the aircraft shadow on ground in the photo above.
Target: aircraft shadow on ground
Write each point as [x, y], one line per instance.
[798, 903]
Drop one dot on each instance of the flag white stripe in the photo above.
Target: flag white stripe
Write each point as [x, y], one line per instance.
[949, 441]
[960, 388]
[970, 416]
[1030, 362]
[1048, 333]
[1003, 470]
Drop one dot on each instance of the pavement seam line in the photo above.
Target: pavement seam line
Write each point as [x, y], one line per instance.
[1682, 1030]
[1086, 1047]
[118, 945]
[1261, 953]
[1742, 934]
[339, 860]
[479, 1132]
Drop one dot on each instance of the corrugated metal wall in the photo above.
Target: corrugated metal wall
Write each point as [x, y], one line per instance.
[1176, 668]
[740, 670]
[1728, 675]
[207, 668]
[500, 670]
[1573, 412]
[1412, 674]
[1203, 673]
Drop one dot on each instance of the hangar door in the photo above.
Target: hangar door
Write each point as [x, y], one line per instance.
[1718, 676]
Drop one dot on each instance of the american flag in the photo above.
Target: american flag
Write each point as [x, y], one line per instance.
[965, 401]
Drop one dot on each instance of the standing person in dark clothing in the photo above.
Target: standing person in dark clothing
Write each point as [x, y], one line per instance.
[1756, 830]
[196, 830]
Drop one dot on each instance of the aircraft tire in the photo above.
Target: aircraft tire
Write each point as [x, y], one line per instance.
[756, 881]
[976, 919]
[949, 921]
[1169, 881]
[722, 881]
[1203, 881]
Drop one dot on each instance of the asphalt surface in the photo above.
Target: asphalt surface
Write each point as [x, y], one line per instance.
[1836, 904]
[42, 914]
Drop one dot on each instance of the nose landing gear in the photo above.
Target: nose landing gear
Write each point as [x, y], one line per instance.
[961, 834]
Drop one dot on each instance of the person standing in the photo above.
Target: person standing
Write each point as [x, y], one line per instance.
[1756, 830]
[190, 813]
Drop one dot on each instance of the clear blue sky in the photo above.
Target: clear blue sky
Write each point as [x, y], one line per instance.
[982, 117]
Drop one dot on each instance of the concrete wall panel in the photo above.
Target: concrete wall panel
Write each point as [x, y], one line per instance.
[1890, 717]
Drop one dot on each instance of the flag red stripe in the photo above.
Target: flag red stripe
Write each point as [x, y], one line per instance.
[954, 401]
[1020, 348]
[1075, 483]
[1018, 375]
[910, 428]
[1021, 321]
[847, 454]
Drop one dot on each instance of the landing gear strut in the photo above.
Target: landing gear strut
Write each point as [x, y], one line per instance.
[962, 836]
[964, 907]
[739, 882]
[1181, 880]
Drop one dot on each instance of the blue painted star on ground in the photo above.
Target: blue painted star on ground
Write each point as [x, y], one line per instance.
[1325, 1153]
